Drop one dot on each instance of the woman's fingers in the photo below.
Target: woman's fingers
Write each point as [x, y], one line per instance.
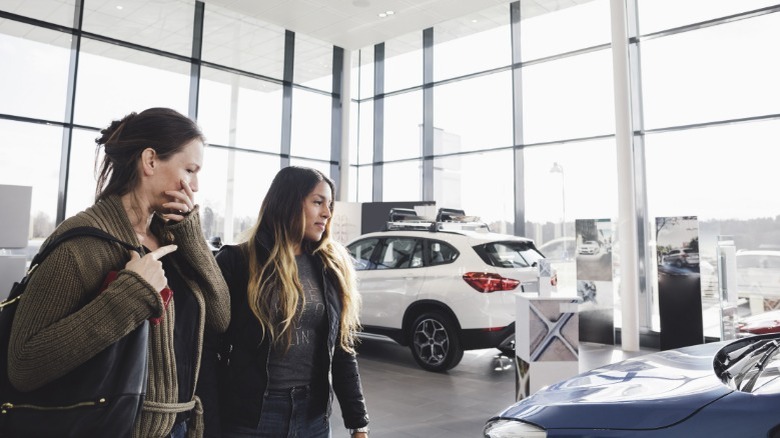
[150, 268]
[159, 253]
[183, 202]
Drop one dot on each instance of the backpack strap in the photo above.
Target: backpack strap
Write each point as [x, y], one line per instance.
[81, 231]
[46, 250]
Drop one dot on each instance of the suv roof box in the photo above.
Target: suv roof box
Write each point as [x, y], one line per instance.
[449, 214]
[403, 214]
[446, 219]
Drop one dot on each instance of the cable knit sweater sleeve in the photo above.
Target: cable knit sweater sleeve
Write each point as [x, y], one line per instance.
[192, 248]
[62, 321]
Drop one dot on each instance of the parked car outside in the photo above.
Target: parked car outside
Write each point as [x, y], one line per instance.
[561, 248]
[720, 389]
[589, 247]
[682, 257]
[444, 291]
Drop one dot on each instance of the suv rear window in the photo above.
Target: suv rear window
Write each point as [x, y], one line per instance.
[509, 254]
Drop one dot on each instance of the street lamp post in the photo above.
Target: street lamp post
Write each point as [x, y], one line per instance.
[557, 168]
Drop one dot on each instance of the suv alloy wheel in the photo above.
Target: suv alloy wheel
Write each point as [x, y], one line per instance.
[435, 344]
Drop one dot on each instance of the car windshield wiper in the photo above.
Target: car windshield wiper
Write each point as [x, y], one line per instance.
[761, 366]
[734, 366]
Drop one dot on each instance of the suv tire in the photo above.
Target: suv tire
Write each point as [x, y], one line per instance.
[435, 343]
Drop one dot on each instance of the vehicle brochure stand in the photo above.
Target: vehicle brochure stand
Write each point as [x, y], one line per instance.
[546, 341]
[679, 282]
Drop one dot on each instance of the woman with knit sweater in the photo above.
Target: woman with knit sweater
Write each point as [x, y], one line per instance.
[144, 196]
[291, 341]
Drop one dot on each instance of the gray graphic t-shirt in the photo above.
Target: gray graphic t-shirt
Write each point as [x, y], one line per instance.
[304, 362]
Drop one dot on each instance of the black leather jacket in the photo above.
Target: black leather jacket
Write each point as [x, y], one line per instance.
[232, 390]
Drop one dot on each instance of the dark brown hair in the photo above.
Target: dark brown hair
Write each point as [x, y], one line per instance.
[162, 129]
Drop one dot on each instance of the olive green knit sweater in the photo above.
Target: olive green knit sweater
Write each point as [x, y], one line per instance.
[63, 321]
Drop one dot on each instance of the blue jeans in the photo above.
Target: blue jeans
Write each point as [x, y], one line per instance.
[179, 430]
[289, 413]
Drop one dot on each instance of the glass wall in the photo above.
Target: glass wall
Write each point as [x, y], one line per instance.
[403, 118]
[721, 72]
[244, 43]
[706, 112]
[241, 111]
[30, 156]
[238, 87]
[568, 98]
[484, 123]
[477, 42]
[704, 80]
[311, 120]
[710, 105]
[115, 81]
[34, 79]
[478, 184]
[403, 62]
[164, 25]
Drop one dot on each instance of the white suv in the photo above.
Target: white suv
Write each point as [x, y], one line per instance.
[442, 291]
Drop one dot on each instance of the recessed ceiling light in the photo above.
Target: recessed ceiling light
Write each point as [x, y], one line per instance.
[386, 14]
[390, 12]
[120, 7]
[474, 20]
[382, 15]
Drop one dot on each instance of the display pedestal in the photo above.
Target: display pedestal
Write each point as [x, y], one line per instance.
[546, 341]
[11, 270]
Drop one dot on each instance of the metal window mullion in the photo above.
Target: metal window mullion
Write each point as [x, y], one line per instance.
[379, 116]
[289, 59]
[336, 117]
[197, 53]
[70, 103]
[427, 128]
[645, 257]
[517, 119]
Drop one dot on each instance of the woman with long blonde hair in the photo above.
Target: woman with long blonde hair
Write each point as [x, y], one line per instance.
[291, 342]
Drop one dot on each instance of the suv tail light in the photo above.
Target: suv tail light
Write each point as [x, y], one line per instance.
[485, 282]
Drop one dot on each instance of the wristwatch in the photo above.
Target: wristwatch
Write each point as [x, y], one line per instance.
[359, 430]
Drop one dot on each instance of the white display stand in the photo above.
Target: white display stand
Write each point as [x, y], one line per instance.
[546, 341]
[15, 215]
[14, 229]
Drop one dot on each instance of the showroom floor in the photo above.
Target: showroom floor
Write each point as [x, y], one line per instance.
[405, 401]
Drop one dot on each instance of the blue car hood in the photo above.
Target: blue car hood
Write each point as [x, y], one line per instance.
[646, 392]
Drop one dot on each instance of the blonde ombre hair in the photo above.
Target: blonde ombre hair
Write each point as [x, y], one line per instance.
[274, 291]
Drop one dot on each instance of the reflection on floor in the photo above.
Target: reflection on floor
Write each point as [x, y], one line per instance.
[405, 401]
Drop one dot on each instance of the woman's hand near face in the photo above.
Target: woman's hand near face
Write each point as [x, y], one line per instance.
[183, 202]
[149, 267]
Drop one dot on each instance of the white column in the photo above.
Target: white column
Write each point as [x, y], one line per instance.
[627, 227]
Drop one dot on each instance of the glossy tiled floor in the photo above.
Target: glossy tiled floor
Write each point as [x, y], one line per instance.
[405, 401]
